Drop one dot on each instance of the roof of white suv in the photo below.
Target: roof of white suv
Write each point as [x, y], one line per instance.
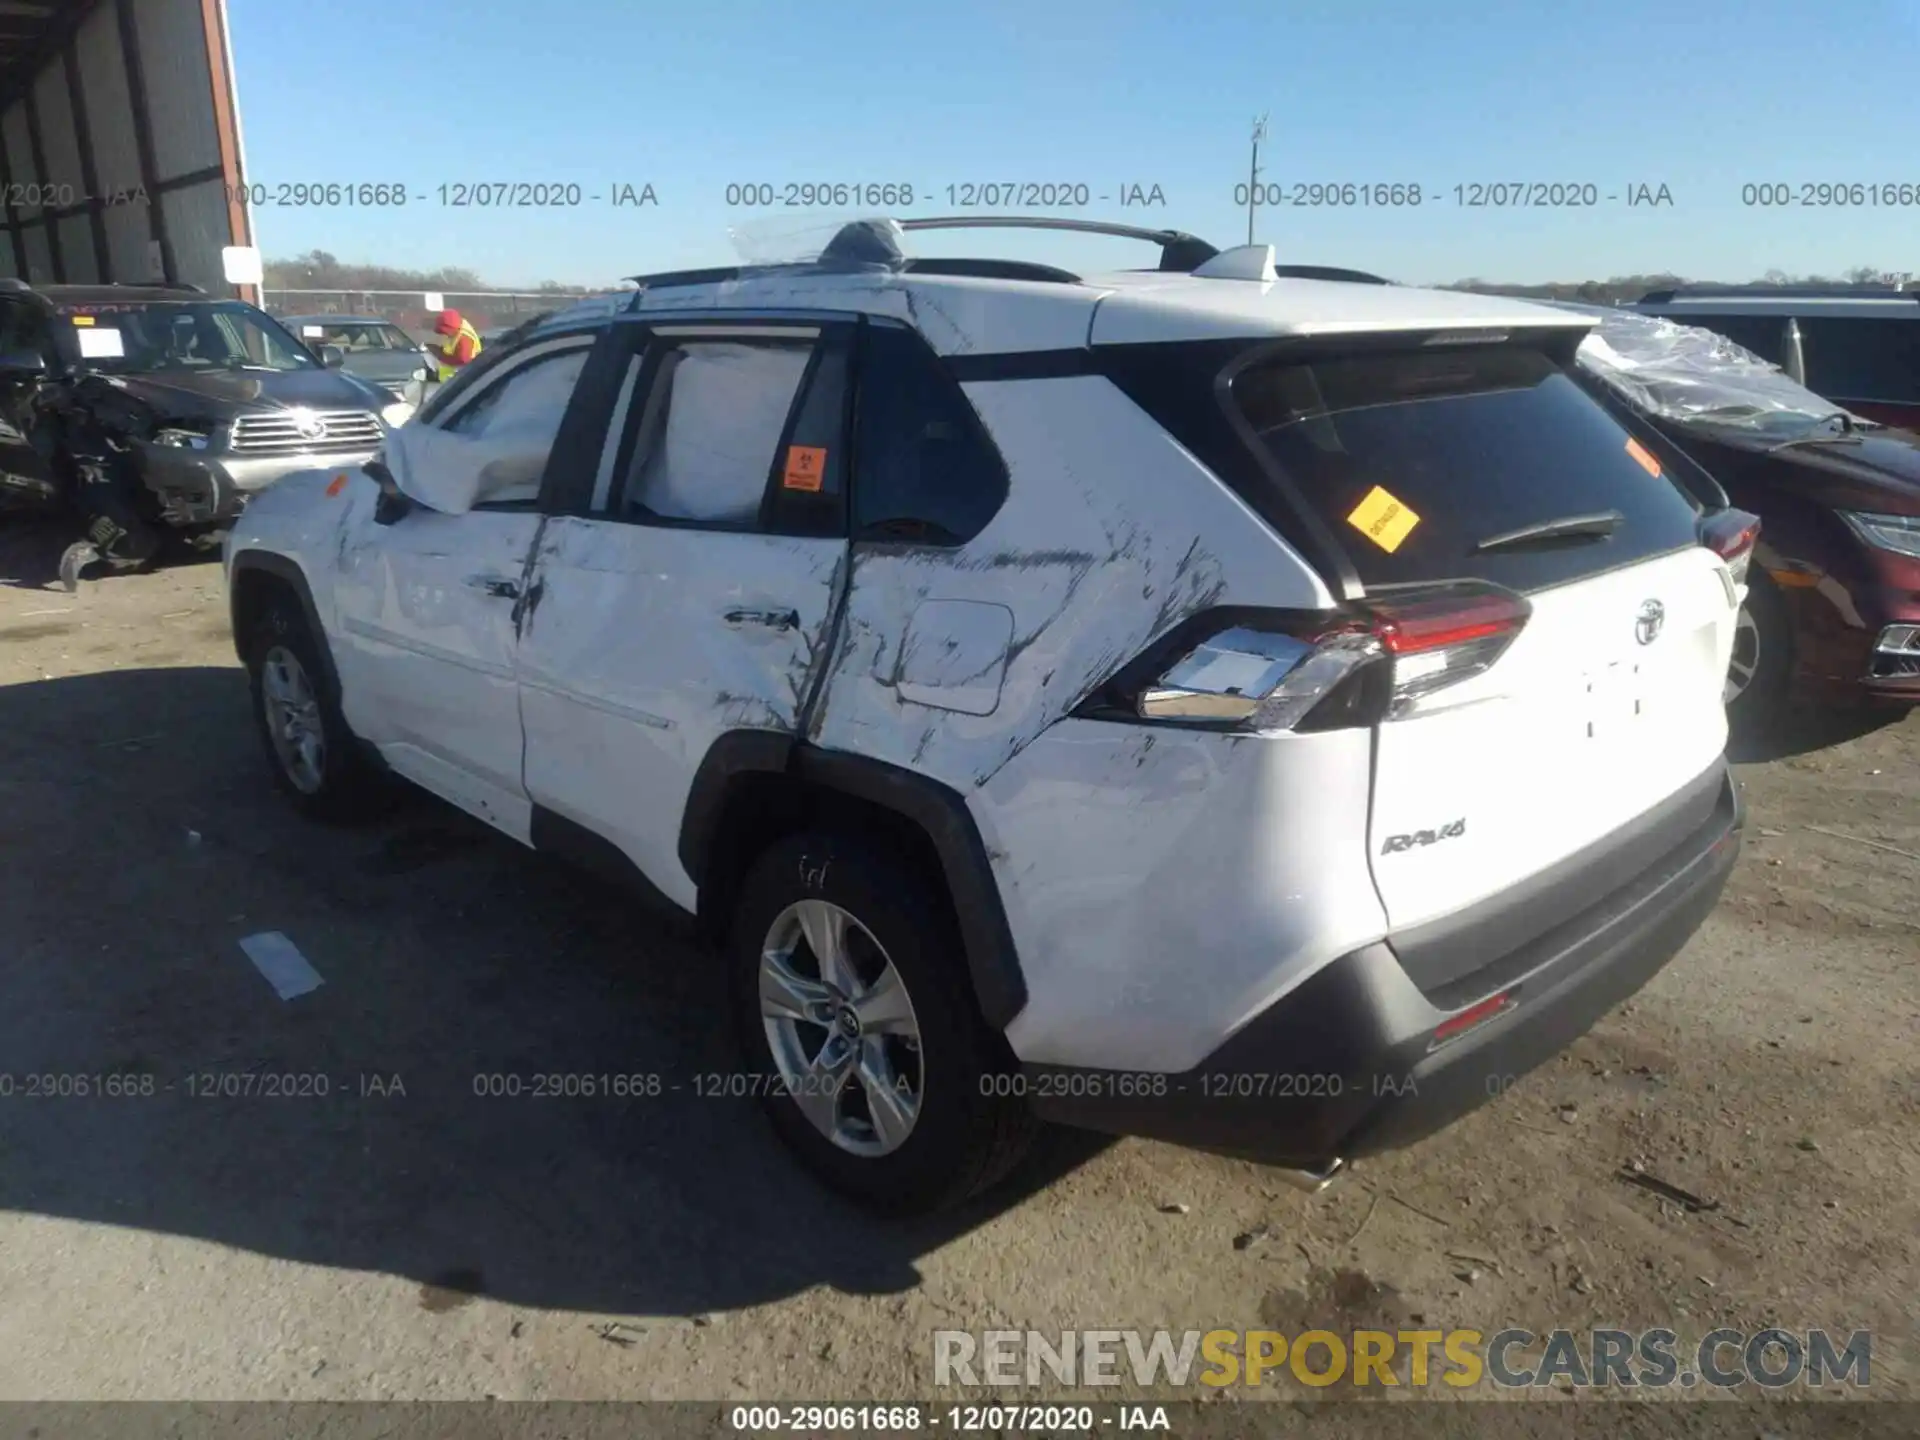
[1008, 307]
[973, 315]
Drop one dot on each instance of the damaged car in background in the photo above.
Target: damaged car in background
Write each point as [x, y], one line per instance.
[1832, 614]
[150, 411]
[1118, 699]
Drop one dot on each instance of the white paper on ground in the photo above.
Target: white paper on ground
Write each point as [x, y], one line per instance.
[280, 960]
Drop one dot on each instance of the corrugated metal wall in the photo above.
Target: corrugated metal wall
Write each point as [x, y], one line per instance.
[121, 157]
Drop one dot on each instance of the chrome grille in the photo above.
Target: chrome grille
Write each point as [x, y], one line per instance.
[279, 433]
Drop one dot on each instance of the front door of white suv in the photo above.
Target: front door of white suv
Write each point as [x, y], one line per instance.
[426, 605]
[689, 587]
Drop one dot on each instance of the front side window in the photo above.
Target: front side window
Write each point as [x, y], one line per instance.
[138, 337]
[493, 449]
[527, 404]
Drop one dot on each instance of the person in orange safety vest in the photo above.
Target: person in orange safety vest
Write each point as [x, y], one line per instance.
[458, 345]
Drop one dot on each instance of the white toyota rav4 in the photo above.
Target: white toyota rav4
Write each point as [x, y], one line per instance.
[1262, 709]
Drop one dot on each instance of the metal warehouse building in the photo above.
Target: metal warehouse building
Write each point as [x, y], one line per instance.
[120, 154]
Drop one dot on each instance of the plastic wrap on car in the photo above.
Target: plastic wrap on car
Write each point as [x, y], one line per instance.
[1684, 372]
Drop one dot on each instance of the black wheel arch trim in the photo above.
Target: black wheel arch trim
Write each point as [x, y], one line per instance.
[288, 571]
[939, 811]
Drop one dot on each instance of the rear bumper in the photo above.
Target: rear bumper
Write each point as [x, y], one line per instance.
[1346, 1064]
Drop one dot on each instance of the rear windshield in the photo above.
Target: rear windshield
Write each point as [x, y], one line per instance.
[1415, 458]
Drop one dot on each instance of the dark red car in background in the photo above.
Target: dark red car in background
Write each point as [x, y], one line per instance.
[1833, 591]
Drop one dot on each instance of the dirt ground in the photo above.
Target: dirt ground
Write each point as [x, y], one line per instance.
[403, 1237]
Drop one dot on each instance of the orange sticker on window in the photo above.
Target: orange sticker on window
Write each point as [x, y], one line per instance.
[1646, 457]
[1383, 520]
[83, 320]
[806, 468]
[339, 484]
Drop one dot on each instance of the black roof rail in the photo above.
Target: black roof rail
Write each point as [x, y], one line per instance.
[992, 270]
[1777, 292]
[1329, 272]
[869, 244]
[1179, 251]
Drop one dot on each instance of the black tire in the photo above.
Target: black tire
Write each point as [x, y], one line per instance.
[1763, 701]
[347, 786]
[970, 1130]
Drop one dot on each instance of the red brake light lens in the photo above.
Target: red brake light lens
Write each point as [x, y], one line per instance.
[1271, 671]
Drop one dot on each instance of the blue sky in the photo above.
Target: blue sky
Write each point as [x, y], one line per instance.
[1703, 96]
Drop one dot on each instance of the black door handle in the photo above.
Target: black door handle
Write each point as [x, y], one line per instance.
[497, 588]
[771, 619]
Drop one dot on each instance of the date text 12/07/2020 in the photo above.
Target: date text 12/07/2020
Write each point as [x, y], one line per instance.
[453, 194]
[1470, 195]
[964, 195]
[1236, 1085]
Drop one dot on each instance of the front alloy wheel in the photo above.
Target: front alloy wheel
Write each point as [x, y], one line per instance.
[841, 1028]
[291, 708]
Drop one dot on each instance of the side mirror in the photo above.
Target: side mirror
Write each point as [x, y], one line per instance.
[393, 504]
[332, 356]
[22, 365]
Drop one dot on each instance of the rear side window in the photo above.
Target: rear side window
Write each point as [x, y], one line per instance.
[1414, 459]
[1862, 359]
[924, 469]
[1764, 335]
[711, 429]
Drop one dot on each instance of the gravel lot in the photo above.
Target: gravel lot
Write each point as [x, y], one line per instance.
[403, 1237]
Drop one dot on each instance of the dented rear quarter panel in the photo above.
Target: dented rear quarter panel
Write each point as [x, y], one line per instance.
[1111, 535]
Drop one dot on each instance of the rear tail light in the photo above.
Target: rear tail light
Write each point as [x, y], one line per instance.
[1732, 534]
[1273, 671]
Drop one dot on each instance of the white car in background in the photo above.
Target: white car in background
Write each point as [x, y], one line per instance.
[1262, 712]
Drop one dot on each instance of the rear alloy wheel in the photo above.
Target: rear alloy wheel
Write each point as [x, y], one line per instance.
[1761, 664]
[854, 1009]
[1746, 655]
[841, 1028]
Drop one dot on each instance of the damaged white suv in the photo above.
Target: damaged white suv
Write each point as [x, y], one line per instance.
[1266, 710]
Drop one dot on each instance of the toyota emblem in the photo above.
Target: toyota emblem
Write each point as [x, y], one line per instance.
[311, 427]
[1649, 622]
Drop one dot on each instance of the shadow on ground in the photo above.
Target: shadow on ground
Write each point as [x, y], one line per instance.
[1803, 730]
[456, 966]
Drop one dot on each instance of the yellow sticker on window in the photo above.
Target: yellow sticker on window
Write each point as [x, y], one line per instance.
[806, 468]
[1644, 456]
[1383, 520]
[83, 320]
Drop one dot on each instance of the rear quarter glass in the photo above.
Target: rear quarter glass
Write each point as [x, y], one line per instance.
[1413, 458]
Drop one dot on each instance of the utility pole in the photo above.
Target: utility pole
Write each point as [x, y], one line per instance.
[1253, 174]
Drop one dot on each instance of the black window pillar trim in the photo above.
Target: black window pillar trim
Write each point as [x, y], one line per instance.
[940, 812]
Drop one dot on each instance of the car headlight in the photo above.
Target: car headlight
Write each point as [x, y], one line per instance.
[397, 414]
[182, 439]
[1898, 533]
